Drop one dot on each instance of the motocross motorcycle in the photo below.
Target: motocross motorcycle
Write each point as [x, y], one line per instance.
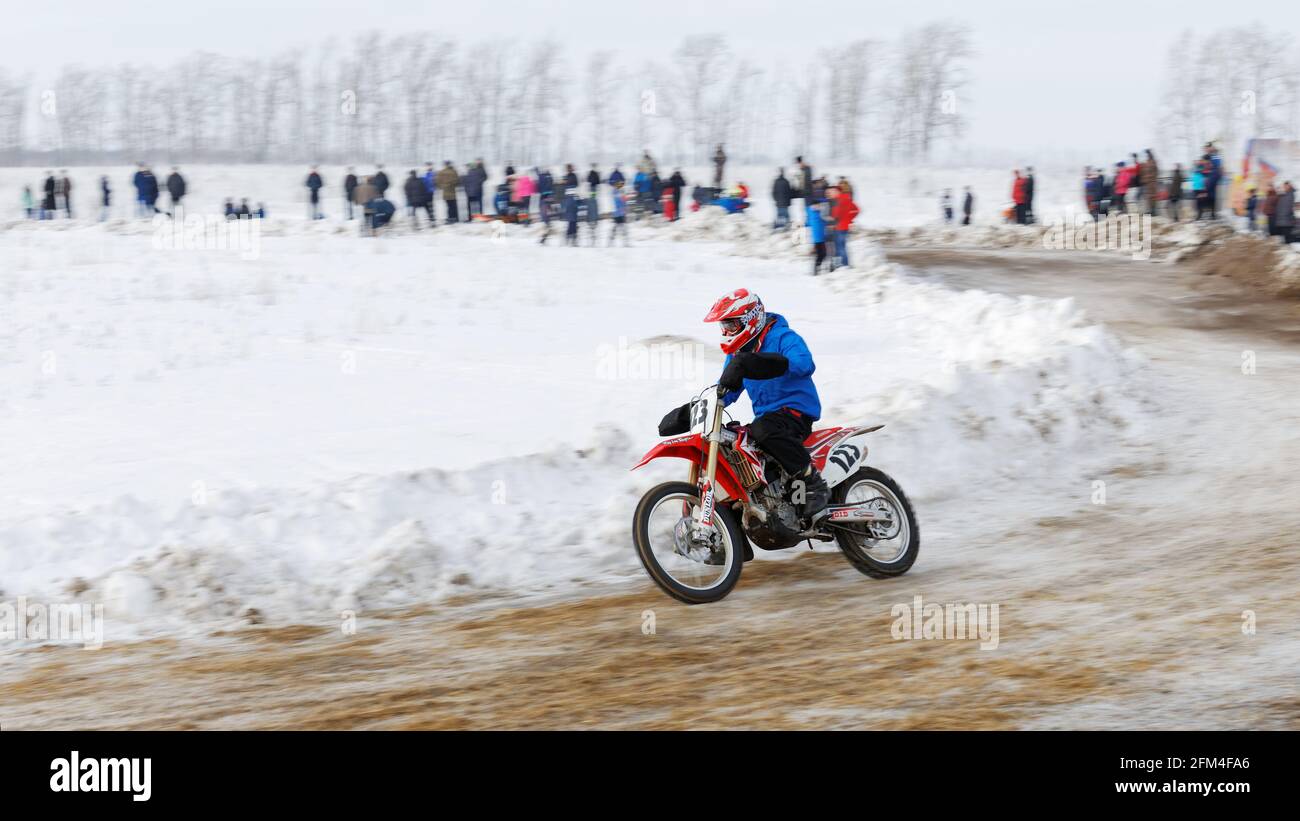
[694, 537]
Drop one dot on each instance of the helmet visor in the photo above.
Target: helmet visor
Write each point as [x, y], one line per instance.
[731, 327]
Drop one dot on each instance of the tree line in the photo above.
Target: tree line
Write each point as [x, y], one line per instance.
[420, 96]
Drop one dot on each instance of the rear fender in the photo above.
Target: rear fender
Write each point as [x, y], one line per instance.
[847, 454]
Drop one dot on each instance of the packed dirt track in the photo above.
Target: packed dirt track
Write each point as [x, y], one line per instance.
[1127, 614]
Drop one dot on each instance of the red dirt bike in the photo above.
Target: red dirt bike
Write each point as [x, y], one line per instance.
[694, 537]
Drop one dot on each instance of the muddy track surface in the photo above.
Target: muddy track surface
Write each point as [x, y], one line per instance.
[1135, 621]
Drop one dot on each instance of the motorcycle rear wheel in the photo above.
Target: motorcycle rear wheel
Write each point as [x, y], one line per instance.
[871, 556]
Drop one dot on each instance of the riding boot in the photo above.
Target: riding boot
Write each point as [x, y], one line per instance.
[817, 495]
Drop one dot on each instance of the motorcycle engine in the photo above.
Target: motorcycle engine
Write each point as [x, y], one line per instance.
[771, 521]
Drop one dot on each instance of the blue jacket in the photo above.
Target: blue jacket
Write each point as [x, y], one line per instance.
[816, 225]
[795, 388]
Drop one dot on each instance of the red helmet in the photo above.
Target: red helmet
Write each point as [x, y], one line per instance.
[741, 317]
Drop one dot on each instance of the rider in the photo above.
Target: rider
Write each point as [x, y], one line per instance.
[772, 364]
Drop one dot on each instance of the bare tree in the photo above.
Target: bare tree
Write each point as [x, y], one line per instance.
[697, 60]
[925, 95]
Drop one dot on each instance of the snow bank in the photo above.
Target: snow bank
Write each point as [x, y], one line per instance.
[477, 443]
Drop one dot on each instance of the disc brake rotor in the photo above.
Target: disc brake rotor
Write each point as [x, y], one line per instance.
[697, 543]
[888, 525]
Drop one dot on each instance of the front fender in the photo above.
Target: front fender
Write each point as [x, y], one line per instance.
[693, 448]
[689, 447]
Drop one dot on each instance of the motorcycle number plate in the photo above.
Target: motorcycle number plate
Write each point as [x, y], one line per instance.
[701, 412]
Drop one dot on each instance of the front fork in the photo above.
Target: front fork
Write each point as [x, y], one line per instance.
[706, 483]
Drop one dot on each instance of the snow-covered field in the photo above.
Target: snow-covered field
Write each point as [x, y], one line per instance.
[351, 423]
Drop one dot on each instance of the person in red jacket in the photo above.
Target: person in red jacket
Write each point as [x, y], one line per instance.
[1119, 194]
[1020, 196]
[844, 210]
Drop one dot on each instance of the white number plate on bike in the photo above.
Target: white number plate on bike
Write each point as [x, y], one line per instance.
[702, 412]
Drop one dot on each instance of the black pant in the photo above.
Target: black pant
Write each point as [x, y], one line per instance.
[452, 215]
[473, 205]
[781, 435]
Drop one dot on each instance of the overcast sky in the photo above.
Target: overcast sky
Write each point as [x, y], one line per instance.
[1046, 75]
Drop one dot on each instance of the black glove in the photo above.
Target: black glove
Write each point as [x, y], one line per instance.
[752, 366]
[677, 421]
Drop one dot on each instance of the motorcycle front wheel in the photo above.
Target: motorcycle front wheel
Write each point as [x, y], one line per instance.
[690, 570]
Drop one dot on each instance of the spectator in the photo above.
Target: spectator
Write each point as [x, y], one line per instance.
[525, 189]
[1150, 182]
[1029, 195]
[48, 202]
[945, 206]
[967, 207]
[380, 181]
[314, 185]
[149, 188]
[106, 198]
[620, 214]
[641, 188]
[571, 216]
[647, 164]
[1091, 192]
[137, 180]
[65, 193]
[416, 196]
[1269, 209]
[473, 181]
[1213, 176]
[1284, 218]
[844, 212]
[381, 213]
[349, 189]
[782, 196]
[678, 183]
[1201, 187]
[803, 188]
[430, 182]
[817, 219]
[593, 203]
[1176, 183]
[175, 188]
[1134, 193]
[29, 203]
[363, 195]
[719, 162]
[448, 181]
[1019, 198]
[1119, 193]
[545, 195]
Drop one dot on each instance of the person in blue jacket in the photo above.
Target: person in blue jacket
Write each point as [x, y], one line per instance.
[817, 219]
[769, 361]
